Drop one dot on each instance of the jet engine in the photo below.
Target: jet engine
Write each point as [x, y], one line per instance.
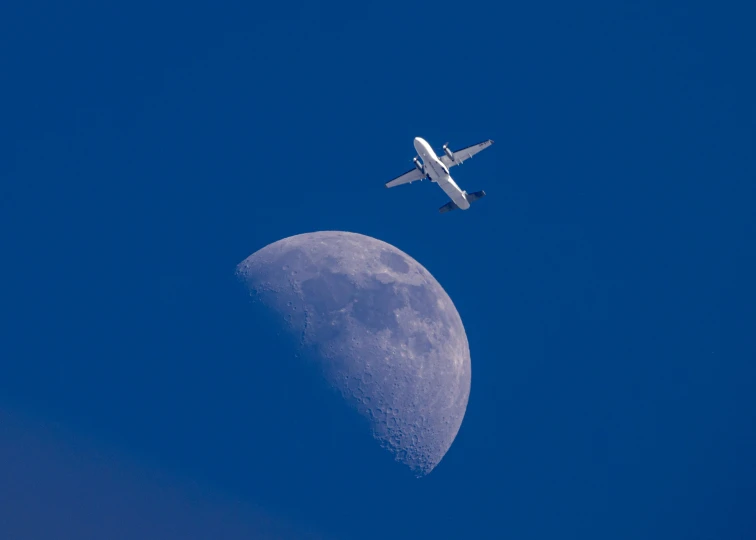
[448, 152]
[418, 165]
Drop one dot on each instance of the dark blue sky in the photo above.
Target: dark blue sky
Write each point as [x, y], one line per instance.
[605, 283]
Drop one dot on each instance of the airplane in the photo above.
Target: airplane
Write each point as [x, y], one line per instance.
[436, 169]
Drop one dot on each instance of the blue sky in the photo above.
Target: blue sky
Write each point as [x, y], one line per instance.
[605, 283]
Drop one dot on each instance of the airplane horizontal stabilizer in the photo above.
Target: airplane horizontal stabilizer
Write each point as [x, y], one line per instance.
[472, 197]
[448, 207]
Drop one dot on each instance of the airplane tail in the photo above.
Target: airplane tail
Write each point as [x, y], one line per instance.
[471, 198]
[448, 207]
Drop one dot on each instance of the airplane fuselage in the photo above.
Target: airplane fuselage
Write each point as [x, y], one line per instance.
[438, 172]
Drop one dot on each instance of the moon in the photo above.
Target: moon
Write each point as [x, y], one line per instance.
[379, 328]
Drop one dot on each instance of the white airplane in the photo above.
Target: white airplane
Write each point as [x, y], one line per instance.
[436, 170]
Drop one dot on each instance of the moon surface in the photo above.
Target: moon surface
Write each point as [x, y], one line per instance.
[381, 331]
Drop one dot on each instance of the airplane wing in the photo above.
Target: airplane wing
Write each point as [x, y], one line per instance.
[465, 153]
[409, 176]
